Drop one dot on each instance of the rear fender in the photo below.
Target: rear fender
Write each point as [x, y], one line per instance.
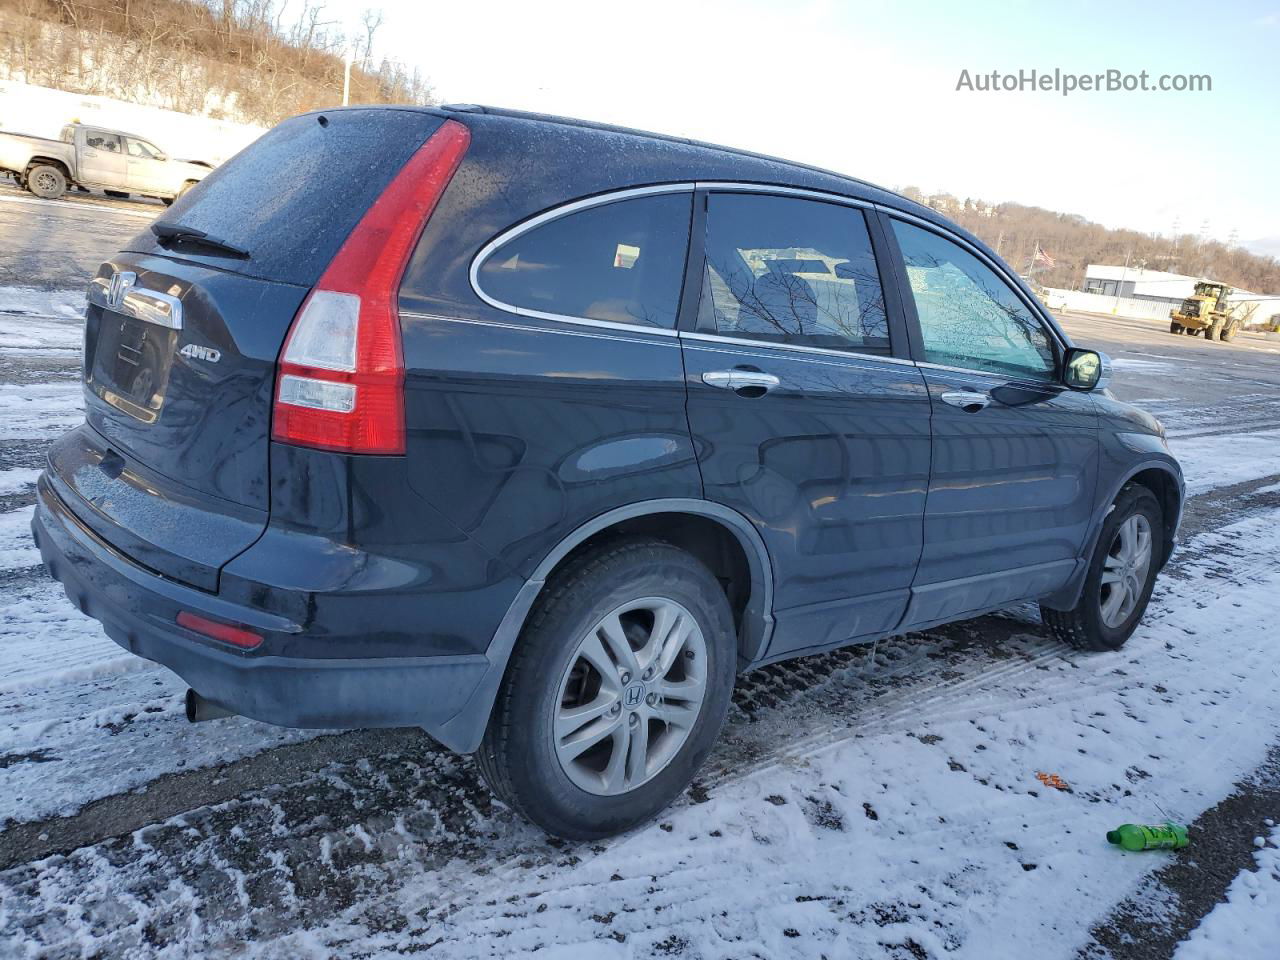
[464, 731]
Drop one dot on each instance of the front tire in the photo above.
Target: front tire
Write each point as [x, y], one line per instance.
[1122, 572]
[616, 691]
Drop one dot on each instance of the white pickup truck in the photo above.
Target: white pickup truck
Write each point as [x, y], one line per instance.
[85, 156]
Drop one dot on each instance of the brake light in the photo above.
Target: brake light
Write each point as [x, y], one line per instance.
[340, 379]
[237, 636]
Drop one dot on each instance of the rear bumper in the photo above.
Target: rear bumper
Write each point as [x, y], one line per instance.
[138, 610]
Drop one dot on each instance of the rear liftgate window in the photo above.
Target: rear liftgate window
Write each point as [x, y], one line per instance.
[619, 262]
[294, 195]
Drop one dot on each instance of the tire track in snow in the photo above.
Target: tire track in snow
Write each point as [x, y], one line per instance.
[354, 809]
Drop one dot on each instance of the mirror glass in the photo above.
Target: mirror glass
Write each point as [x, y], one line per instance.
[1083, 370]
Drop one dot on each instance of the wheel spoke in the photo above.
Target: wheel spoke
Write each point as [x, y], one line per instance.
[680, 715]
[572, 719]
[689, 690]
[619, 647]
[1112, 569]
[1125, 553]
[638, 754]
[574, 746]
[666, 618]
[594, 652]
[675, 642]
[1115, 600]
[614, 775]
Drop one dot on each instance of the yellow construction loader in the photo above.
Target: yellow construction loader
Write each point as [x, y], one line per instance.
[1207, 309]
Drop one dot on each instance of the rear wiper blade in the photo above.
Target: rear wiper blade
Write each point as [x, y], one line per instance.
[177, 233]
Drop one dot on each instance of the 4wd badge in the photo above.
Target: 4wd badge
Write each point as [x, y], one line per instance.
[193, 351]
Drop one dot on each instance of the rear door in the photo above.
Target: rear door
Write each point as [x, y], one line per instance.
[807, 416]
[1015, 453]
[182, 340]
[101, 159]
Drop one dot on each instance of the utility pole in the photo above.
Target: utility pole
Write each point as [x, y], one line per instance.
[1115, 307]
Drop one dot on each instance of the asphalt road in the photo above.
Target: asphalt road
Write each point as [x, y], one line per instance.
[207, 835]
[58, 244]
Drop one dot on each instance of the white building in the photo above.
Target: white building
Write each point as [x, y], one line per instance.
[1169, 288]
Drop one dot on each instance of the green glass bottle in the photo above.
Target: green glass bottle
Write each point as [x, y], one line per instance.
[1134, 836]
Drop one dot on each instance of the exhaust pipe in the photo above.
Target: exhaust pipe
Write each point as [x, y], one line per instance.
[199, 709]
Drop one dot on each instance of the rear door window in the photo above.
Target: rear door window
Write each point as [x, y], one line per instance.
[618, 262]
[99, 140]
[791, 271]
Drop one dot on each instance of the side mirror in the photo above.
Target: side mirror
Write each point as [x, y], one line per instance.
[162, 157]
[1086, 369]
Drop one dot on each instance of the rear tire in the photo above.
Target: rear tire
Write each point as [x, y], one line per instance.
[1229, 332]
[1101, 618]
[649, 736]
[1175, 327]
[46, 181]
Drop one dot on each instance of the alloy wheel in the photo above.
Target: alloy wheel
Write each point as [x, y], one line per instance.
[1124, 571]
[630, 696]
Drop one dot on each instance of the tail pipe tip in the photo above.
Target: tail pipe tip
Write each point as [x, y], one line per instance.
[199, 709]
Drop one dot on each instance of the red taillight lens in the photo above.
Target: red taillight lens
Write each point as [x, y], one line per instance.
[238, 636]
[340, 379]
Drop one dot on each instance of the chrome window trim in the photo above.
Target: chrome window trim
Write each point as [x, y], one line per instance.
[723, 186]
[1004, 377]
[793, 347]
[666, 337]
[141, 303]
[555, 213]
[1001, 271]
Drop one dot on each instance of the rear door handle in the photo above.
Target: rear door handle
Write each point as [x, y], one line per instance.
[747, 383]
[970, 401]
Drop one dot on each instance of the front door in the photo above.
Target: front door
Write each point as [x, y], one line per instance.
[145, 169]
[102, 160]
[804, 420]
[1015, 453]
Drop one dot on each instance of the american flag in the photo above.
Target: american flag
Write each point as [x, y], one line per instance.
[1042, 257]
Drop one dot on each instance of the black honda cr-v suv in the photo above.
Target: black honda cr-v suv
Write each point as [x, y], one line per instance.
[534, 433]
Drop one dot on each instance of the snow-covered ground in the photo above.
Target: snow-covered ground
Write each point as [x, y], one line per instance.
[1248, 923]
[862, 804]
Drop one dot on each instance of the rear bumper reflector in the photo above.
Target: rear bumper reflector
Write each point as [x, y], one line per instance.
[236, 636]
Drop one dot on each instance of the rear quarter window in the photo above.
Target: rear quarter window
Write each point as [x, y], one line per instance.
[292, 196]
[619, 262]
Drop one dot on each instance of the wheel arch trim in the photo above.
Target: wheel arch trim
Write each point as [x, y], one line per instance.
[464, 731]
[1067, 597]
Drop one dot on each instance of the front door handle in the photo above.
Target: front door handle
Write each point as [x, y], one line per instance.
[970, 401]
[745, 383]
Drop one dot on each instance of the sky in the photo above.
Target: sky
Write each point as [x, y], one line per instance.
[870, 89]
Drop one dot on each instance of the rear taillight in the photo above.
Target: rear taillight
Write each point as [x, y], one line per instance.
[340, 379]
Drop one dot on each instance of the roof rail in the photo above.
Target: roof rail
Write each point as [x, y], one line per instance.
[649, 134]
